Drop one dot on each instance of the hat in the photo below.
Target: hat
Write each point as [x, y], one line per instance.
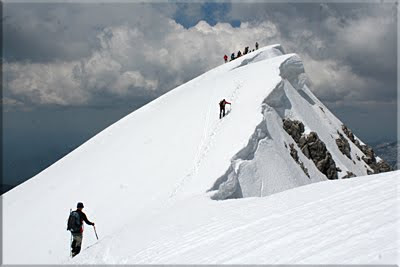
[79, 205]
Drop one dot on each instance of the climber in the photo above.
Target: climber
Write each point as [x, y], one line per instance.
[226, 58]
[222, 104]
[256, 45]
[75, 225]
[232, 56]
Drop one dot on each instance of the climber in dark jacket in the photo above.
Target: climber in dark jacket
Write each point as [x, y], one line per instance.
[222, 104]
[78, 235]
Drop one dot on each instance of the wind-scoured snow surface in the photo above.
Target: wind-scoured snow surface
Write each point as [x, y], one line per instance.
[144, 182]
[343, 222]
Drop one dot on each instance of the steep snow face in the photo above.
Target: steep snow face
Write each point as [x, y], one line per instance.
[172, 151]
[265, 166]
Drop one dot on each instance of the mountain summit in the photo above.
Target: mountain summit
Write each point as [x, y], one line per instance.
[150, 180]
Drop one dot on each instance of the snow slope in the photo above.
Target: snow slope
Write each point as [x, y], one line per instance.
[348, 221]
[164, 157]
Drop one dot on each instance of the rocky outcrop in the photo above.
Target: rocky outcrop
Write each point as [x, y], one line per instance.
[316, 149]
[293, 153]
[294, 128]
[382, 166]
[295, 156]
[369, 155]
[312, 147]
[343, 145]
[349, 175]
[349, 134]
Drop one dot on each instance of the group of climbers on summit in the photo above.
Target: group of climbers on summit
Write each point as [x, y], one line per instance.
[239, 53]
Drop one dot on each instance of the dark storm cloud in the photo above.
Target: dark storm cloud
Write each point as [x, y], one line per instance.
[140, 50]
[349, 50]
[43, 32]
[78, 54]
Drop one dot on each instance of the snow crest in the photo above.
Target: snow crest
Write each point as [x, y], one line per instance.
[264, 166]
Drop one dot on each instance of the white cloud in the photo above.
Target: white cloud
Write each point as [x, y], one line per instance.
[130, 61]
[133, 78]
[349, 50]
[148, 53]
[44, 83]
[334, 81]
[13, 104]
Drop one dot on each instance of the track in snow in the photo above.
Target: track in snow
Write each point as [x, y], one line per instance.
[206, 142]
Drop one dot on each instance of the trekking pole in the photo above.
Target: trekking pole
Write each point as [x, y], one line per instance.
[94, 227]
[70, 247]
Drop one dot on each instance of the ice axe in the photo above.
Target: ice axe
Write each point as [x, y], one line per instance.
[94, 228]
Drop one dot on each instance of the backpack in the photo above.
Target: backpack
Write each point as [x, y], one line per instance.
[74, 222]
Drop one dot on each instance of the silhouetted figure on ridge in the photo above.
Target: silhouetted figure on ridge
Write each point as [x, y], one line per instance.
[222, 104]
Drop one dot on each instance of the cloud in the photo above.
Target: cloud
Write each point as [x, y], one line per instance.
[337, 82]
[37, 83]
[9, 104]
[362, 56]
[349, 50]
[129, 61]
[368, 37]
[84, 53]
[78, 82]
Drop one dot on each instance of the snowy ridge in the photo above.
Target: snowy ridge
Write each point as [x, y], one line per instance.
[264, 167]
[150, 172]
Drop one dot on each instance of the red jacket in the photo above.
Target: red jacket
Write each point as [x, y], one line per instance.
[223, 103]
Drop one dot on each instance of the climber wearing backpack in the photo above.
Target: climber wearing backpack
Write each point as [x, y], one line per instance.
[75, 225]
[222, 104]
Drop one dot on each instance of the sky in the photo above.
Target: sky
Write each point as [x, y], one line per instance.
[72, 69]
